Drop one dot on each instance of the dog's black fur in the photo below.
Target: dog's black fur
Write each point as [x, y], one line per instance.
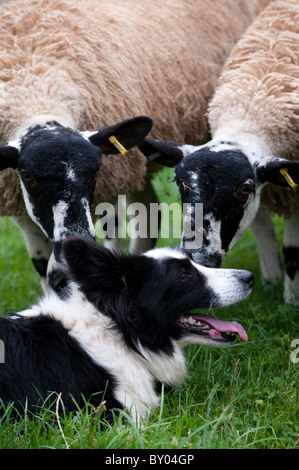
[41, 357]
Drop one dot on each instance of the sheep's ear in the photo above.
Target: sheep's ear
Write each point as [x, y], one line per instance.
[9, 156]
[164, 152]
[93, 267]
[278, 171]
[122, 136]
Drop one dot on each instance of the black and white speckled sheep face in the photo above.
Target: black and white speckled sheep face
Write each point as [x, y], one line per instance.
[224, 178]
[57, 166]
[223, 181]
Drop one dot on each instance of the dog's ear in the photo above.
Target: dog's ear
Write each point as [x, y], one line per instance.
[93, 267]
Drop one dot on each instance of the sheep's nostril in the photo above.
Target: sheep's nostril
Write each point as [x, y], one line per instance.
[247, 277]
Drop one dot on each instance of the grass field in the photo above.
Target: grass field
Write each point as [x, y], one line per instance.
[242, 397]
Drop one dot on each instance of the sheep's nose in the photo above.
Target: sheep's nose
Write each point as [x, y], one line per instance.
[247, 278]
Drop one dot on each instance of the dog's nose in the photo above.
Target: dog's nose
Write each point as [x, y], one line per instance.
[247, 277]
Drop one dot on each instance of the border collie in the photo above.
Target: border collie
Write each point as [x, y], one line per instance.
[119, 330]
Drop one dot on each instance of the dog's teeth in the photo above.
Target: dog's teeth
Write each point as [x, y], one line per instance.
[190, 320]
[198, 323]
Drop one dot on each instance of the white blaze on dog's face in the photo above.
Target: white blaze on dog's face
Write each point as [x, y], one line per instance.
[226, 177]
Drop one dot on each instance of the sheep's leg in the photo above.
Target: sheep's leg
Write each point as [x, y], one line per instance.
[264, 233]
[291, 257]
[38, 246]
[140, 201]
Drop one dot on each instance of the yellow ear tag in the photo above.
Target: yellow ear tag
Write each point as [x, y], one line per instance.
[287, 177]
[118, 145]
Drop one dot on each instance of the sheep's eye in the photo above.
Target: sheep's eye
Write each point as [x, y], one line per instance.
[245, 189]
[184, 276]
[242, 192]
[27, 176]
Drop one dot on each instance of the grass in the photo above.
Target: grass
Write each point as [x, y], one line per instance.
[243, 397]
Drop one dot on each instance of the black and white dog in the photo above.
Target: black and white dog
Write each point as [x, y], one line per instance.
[119, 330]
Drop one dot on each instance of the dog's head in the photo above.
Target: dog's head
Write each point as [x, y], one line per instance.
[150, 297]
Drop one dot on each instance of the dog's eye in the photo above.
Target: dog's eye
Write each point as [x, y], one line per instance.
[184, 276]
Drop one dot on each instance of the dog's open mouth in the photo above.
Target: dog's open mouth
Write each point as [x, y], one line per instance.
[215, 329]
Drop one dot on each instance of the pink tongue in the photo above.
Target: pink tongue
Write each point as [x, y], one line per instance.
[223, 326]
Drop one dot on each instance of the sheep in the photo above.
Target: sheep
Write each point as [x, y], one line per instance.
[254, 123]
[86, 64]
